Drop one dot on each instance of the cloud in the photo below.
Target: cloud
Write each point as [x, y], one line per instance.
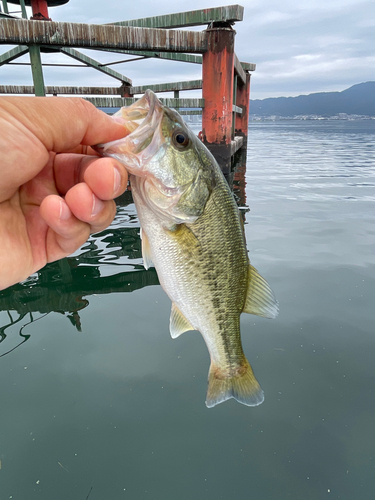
[299, 46]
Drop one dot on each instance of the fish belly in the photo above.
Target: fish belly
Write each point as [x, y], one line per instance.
[203, 269]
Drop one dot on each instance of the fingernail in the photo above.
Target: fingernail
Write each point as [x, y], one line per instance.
[97, 206]
[117, 181]
[65, 212]
[118, 119]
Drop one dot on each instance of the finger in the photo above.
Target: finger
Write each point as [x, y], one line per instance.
[88, 208]
[63, 123]
[106, 177]
[66, 233]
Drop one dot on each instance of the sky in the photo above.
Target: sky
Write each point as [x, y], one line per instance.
[298, 46]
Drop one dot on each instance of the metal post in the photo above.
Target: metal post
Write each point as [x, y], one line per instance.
[37, 71]
[40, 9]
[217, 92]
[125, 90]
[23, 9]
[5, 6]
[243, 102]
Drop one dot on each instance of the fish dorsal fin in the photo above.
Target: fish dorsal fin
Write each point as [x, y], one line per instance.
[178, 324]
[260, 299]
[146, 251]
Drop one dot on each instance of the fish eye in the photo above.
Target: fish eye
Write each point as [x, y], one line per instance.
[180, 139]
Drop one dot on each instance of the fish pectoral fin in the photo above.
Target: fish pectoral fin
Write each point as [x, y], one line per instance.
[146, 251]
[260, 299]
[241, 385]
[178, 324]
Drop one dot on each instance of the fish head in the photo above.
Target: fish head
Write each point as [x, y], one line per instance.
[177, 169]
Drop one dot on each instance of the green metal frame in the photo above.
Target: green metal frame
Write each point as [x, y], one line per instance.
[132, 37]
[78, 56]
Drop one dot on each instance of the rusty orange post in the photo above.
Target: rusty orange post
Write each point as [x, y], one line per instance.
[40, 10]
[243, 102]
[217, 92]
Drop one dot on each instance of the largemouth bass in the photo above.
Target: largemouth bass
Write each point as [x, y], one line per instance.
[193, 234]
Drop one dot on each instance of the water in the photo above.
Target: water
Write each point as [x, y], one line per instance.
[97, 401]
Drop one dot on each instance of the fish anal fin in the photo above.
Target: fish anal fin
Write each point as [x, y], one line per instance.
[146, 251]
[241, 385]
[260, 299]
[178, 324]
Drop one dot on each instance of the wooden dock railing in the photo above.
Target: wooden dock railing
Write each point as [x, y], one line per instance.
[225, 80]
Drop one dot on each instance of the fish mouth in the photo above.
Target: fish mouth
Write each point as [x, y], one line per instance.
[142, 120]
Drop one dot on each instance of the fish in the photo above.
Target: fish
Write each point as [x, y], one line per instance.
[192, 233]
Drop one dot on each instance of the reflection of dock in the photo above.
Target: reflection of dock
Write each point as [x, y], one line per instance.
[57, 295]
[66, 286]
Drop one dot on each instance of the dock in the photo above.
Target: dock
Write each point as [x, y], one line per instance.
[225, 81]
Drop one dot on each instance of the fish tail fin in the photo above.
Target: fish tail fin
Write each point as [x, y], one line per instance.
[242, 386]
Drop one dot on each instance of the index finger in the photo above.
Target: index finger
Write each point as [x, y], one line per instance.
[63, 123]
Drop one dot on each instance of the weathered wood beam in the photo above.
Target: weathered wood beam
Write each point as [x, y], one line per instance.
[228, 14]
[55, 89]
[118, 102]
[191, 112]
[95, 64]
[23, 32]
[167, 87]
[236, 144]
[13, 54]
[29, 89]
[248, 66]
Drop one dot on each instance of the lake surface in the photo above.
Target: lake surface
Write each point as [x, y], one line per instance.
[97, 401]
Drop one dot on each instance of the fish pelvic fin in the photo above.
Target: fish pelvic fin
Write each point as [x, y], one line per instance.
[240, 385]
[178, 324]
[260, 299]
[146, 251]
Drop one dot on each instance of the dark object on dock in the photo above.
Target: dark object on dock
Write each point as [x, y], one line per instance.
[225, 80]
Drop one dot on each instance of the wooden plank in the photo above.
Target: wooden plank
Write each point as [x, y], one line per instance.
[23, 32]
[29, 89]
[236, 144]
[118, 102]
[95, 64]
[190, 112]
[248, 66]
[228, 14]
[167, 87]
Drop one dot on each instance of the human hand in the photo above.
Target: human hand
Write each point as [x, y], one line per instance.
[54, 189]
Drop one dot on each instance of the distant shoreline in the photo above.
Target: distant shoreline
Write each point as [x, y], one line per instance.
[340, 116]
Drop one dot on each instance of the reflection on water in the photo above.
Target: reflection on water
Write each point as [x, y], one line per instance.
[117, 411]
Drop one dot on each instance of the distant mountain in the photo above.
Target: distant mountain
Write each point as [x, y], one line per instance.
[357, 100]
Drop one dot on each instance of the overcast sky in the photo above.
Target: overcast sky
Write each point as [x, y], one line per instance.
[299, 46]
